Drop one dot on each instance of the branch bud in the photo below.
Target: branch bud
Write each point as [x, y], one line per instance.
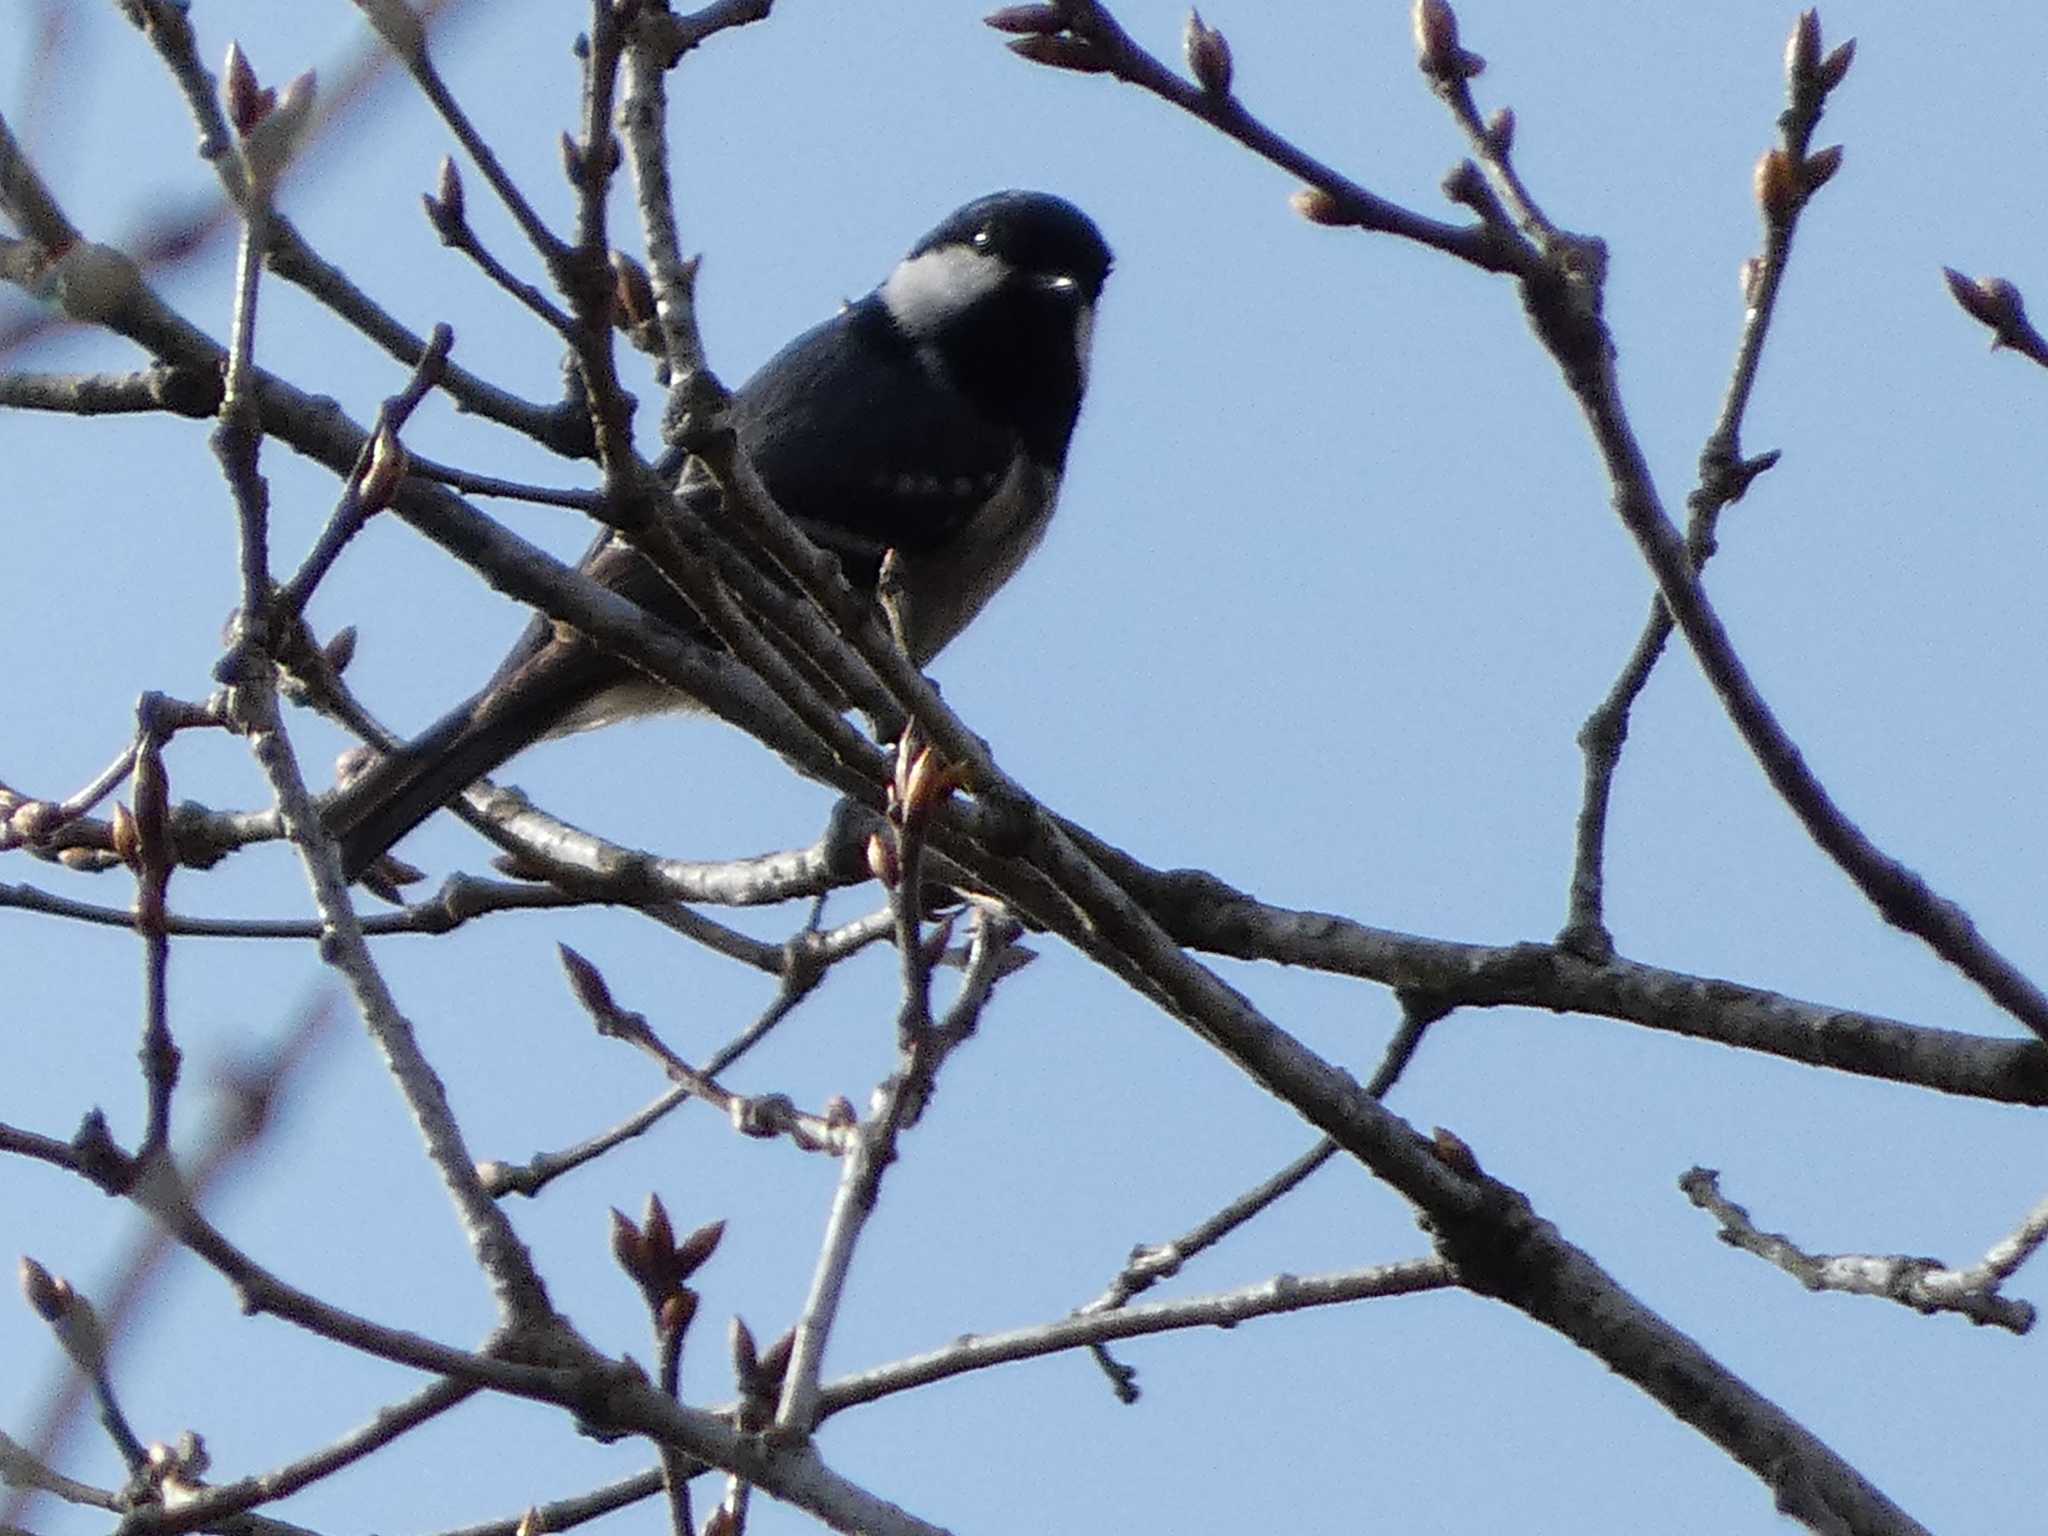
[47, 1296]
[1208, 55]
[660, 1232]
[587, 984]
[445, 207]
[1320, 207]
[1500, 132]
[1836, 65]
[693, 1250]
[882, 861]
[389, 464]
[268, 145]
[127, 839]
[398, 25]
[629, 1249]
[246, 101]
[1820, 168]
[1779, 187]
[746, 1358]
[1076, 54]
[341, 650]
[1802, 48]
[632, 292]
[1028, 20]
[1437, 51]
[1995, 302]
[676, 1313]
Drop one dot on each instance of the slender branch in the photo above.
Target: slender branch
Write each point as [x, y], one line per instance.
[371, 482]
[522, 1297]
[407, 39]
[1725, 475]
[207, 1507]
[923, 1048]
[600, 1391]
[1226, 1309]
[107, 394]
[445, 211]
[169, 30]
[1150, 1263]
[806, 959]
[1206, 913]
[1925, 1285]
[773, 1115]
[1084, 35]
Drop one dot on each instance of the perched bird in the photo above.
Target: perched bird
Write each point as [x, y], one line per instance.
[931, 417]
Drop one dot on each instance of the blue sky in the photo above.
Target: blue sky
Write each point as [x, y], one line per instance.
[1334, 583]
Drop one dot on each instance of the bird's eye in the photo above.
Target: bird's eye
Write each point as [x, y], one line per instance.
[982, 237]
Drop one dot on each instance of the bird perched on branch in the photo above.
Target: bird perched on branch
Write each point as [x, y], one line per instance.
[931, 418]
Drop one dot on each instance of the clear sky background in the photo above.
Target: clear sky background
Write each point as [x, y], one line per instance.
[1334, 583]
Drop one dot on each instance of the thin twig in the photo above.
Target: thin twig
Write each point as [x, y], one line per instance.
[362, 495]
[1925, 1285]
[1725, 474]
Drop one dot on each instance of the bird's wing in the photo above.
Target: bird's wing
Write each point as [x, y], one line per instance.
[831, 422]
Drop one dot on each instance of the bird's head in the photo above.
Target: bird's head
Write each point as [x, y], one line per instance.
[1001, 298]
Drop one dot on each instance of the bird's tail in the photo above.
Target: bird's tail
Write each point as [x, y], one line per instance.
[371, 812]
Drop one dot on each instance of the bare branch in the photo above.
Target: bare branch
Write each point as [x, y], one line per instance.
[1925, 1285]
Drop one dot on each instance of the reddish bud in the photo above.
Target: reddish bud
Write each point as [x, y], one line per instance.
[629, 1250]
[398, 24]
[661, 1232]
[1437, 51]
[389, 464]
[746, 1358]
[882, 861]
[1436, 30]
[632, 293]
[269, 142]
[47, 1296]
[1779, 186]
[126, 838]
[1820, 168]
[1208, 55]
[693, 1250]
[1836, 65]
[1500, 131]
[1062, 52]
[446, 208]
[1802, 48]
[1452, 1151]
[246, 101]
[775, 1359]
[586, 983]
[676, 1313]
[1319, 207]
[341, 650]
[1997, 303]
[1028, 20]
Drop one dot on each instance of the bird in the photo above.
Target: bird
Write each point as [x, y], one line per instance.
[931, 418]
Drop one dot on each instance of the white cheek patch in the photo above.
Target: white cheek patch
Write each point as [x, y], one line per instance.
[926, 291]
